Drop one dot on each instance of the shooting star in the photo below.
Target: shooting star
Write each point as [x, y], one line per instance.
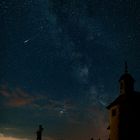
[35, 35]
[26, 41]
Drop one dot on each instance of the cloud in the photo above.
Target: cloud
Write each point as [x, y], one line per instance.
[9, 128]
[3, 137]
[17, 97]
[4, 91]
[17, 102]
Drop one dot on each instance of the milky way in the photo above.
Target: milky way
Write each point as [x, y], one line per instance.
[60, 64]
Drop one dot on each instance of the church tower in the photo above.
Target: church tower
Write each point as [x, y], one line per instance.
[126, 82]
[124, 110]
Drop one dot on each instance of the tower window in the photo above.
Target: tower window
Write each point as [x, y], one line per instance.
[113, 112]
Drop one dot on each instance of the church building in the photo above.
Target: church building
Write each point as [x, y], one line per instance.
[124, 111]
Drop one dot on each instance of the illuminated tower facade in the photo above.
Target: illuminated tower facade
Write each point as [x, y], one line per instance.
[124, 111]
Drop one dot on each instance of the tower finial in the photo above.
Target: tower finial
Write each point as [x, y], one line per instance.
[126, 67]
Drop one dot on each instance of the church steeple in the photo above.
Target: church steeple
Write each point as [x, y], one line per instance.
[126, 82]
[124, 112]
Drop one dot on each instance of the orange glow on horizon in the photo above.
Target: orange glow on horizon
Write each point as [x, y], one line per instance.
[3, 137]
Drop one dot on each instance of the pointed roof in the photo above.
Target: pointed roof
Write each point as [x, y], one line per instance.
[126, 75]
[118, 100]
[133, 98]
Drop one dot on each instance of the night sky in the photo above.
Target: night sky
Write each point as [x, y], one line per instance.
[60, 62]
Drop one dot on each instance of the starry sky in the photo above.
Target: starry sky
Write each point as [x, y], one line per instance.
[60, 62]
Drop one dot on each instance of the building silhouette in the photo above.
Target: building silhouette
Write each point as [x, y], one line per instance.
[124, 111]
